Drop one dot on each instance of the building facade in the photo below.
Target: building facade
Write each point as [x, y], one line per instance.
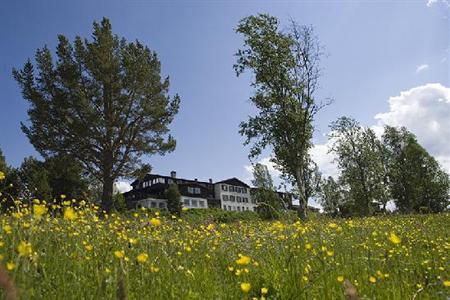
[234, 195]
[150, 192]
[230, 194]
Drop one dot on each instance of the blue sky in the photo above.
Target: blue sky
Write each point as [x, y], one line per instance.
[376, 50]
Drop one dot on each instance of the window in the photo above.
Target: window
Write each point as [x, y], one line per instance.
[202, 203]
[196, 190]
[153, 204]
[239, 208]
[232, 198]
[161, 180]
[161, 205]
[229, 207]
[225, 197]
[170, 181]
[238, 189]
[224, 187]
[253, 201]
[245, 200]
[225, 207]
[238, 199]
[231, 188]
[190, 190]
[194, 203]
[186, 202]
[244, 190]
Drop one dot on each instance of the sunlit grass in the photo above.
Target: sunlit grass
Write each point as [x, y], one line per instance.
[68, 252]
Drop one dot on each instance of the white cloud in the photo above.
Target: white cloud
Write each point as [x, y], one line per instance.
[319, 153]
[121, 187]
[271, 167]
[422, 68]
[425, 111]
[432, 2]
[324, 160]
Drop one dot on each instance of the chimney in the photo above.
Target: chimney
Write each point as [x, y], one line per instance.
[210, 180]
[196, 179]
[173, 174]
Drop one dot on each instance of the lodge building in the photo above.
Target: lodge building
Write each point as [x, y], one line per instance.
[230, 194]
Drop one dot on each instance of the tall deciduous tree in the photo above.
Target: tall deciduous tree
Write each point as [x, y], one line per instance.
[286, 73]
[102, 102]
[417, 182]
[269, 203]
[360, 156]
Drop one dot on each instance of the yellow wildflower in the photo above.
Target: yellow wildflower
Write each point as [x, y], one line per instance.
[394, 238]
[39, 210]
[244, 260]
[7, 229]
[119, 254]
[70, 214]
[264, 290]
[2, 175]
[155, 222]
[340, 278]
[142, 258]
[10, 266]
[372, 279]
[245, 287]
[447, 283]
[24, 249]
[89, 247]
[332, 225]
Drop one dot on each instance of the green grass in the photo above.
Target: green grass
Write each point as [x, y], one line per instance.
[195, 257]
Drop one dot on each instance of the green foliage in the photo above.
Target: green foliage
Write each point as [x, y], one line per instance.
[120, 204]
[286, 72]
[66, 177]
[360, 157]
[417, 182]
[331, 197]
[374, 171]
[269, 203]
[34, 178]
[203, 216]
[101, 102]
[173, 197]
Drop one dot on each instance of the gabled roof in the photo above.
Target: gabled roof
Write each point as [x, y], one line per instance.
[234, 181]
[151, 176]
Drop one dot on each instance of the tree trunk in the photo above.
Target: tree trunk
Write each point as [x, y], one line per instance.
[107, 194]
[302, 201]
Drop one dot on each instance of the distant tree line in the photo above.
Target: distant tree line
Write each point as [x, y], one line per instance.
[374, 171]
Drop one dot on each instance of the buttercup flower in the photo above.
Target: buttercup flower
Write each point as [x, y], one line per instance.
[245, 287]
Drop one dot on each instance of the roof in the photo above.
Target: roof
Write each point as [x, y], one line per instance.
[234, 181]
[151, 176]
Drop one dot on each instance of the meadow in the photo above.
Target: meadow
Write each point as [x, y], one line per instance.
[68, 252]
